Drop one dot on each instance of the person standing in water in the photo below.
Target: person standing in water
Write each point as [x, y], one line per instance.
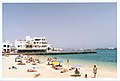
[67, 60]
[95, 71]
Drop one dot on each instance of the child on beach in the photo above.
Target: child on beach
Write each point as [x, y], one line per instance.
[95, 71]
[85, 76]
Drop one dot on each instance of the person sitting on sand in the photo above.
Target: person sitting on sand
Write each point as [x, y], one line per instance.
[76, 71]
[31, 59]
[49, 63]
[34, 63]
[25, 57]
[31, 70]
[48, 59]
[38, 61]
[95, 71]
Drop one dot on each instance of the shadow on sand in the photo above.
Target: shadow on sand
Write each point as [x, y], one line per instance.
[75, 75]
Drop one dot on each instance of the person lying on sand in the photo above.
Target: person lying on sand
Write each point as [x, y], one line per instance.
[64, 70]
[72, 68]
[36, 75]
[21, 63]
[53, 66]
[31, 70]
[58, 68]
[34, 63]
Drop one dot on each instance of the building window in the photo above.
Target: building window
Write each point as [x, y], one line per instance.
[8, 46]
[28, 42]
[43, 39]
[8, 50]
[18, 45]
[28, 46]
[44, 46]
[4, 45]
[4, 50]
[37, 39]
[44, 42]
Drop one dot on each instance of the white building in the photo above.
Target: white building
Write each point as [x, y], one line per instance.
[6, 47]
[34, 44]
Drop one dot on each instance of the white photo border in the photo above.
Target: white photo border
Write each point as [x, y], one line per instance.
[64, 1]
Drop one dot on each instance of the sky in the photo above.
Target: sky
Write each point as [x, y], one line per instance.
[65, 25]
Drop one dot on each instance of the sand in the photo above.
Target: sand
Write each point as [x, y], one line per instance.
[46, 71]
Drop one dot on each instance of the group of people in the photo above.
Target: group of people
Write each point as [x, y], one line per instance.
[54, 66]
[94, 72]
[29, 59]
[77, 72]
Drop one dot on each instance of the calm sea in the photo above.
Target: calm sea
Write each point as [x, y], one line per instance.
[103, 58]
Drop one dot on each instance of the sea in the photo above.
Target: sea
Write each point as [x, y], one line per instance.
[103, 58]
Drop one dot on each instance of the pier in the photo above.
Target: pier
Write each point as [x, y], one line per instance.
[51, 53]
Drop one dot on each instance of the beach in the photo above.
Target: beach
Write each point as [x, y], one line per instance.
[46, 71]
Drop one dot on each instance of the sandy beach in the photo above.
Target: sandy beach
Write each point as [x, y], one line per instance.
[46, 71]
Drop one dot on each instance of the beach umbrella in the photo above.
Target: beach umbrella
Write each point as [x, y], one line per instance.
[55, 63]
[60, 61]
[77, 65]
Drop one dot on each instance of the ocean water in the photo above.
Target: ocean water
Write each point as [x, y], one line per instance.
[103, 58]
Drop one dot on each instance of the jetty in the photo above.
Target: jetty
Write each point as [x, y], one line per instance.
[51, 53]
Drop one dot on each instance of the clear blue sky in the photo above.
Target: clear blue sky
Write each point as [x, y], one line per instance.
[92, 25]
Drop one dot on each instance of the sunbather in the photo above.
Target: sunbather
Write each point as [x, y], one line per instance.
[34, 63]
[64, 70]
[31, 70]
[71, 68]
[21, 63]
[36, 75]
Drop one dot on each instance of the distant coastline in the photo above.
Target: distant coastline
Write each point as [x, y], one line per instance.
[106, 48]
